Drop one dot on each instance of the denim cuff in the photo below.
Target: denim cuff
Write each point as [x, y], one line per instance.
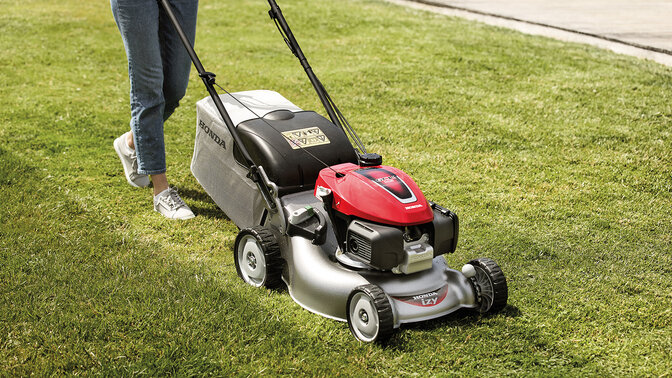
[155, 172]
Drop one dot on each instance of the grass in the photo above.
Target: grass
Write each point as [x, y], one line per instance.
[556, 156]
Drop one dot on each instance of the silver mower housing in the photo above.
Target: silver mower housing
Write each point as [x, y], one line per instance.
[315, 276]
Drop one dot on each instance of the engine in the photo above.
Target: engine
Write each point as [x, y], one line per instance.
[382, 219]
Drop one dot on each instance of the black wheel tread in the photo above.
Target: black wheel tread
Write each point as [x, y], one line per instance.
[384, 309]
[500, 288]
[272, 255]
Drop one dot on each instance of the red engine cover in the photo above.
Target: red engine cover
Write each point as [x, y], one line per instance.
[380, 194]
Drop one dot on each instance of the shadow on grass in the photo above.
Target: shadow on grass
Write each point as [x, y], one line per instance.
[464, 318]
[196, 195]
[205, 207]
[12, 169]
[208, 212]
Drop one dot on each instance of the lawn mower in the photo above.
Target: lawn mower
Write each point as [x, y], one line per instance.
[352, 239]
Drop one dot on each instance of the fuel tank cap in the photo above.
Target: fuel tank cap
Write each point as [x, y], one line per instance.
[370, 160]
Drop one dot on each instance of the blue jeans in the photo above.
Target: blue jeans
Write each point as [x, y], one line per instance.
[158, 68]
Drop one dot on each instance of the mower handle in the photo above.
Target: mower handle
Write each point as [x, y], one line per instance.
[209, 81]
[283, 27]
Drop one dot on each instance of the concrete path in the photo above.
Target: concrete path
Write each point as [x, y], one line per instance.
[641, 28]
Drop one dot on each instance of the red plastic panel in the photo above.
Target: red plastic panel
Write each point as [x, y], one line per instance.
[380, 194]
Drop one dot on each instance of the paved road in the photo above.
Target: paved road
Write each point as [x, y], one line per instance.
[635, 24]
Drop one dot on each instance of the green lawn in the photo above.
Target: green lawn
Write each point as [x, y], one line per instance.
[557, 158]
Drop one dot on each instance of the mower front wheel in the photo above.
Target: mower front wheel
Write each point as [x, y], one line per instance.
[257, 256]
[370, 315]
[490, 285]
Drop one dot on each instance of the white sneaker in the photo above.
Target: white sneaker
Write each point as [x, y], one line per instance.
[169, 204]
[130, 162]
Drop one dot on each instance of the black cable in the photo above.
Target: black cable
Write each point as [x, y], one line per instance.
[348, 129]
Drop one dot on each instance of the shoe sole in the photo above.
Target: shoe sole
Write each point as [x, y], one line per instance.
[183, 218]
[121, 157]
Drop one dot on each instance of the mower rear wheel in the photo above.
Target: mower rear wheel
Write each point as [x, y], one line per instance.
[370, 315]
[257, 256]
[490, 284]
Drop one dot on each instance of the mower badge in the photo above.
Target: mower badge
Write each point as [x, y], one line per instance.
[212, 134]
[430, 299]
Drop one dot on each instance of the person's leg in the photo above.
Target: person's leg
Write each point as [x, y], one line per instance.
[159, 183]
[176, 60]
[138, 22]
[129, 140]
[176, 63]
